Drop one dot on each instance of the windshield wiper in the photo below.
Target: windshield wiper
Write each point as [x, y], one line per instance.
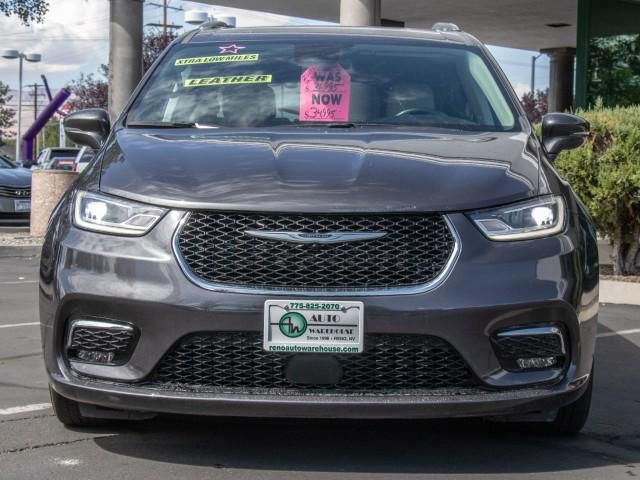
[339, 124]
[161, 124]
[322, 125]
[171, 125]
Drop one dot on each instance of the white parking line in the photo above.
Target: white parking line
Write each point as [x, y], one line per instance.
[619, 332]
[12, 325]
[25, 408]
[18, 282]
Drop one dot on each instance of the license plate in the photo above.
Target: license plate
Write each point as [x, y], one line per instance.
[313, 326]
[22, 205]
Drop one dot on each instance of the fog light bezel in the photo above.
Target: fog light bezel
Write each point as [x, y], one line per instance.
[513, 363]
[100, 324]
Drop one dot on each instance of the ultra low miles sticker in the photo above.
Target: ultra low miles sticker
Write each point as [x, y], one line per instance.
[313, 326]
[247, 57]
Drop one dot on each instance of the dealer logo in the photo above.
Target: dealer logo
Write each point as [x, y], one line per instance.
[293, 324]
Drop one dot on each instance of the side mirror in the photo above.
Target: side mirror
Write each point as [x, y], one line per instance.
[562, 131]
[88, 127]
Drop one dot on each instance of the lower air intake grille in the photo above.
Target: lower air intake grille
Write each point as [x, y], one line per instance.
[530, 346]
[236, 360]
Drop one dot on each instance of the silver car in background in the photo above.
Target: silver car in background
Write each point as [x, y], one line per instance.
[85, 155]
[15, 193]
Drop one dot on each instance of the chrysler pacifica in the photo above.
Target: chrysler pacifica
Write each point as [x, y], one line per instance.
[321, 222]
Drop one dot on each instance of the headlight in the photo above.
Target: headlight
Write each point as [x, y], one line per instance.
[101, 213]
[540, 217]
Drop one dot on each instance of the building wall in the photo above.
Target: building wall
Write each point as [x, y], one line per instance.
[614, 17]
[608, 60]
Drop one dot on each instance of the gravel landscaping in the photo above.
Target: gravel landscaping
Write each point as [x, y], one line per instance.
[18, 239]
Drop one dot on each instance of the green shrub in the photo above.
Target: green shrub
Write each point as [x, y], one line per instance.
[605, 173]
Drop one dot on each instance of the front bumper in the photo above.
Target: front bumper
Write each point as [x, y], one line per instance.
[478, 404]
[493, 286]
[8, 213]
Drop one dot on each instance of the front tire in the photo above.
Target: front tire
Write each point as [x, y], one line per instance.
[572, 418]
[69, 413]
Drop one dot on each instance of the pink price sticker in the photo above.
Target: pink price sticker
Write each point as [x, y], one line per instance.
[324, 94]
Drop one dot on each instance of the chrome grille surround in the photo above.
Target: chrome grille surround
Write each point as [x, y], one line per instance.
[425, 286]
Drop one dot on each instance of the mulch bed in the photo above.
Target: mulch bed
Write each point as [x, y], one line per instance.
[606, 273]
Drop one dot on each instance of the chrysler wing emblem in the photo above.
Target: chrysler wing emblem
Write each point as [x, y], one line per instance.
[328, 237]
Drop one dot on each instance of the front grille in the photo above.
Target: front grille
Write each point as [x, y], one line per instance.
[217, 249]
[236, 361]
[15, 216]
[15, 192]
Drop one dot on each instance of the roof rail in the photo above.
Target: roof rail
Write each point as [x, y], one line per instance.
[445, 27]
[204, 21]
[219, 22]
[214, 24]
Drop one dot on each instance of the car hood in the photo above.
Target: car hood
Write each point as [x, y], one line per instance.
[320, 170]
[15, 177]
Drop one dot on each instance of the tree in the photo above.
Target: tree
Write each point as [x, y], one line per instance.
[535, 106]
[605, 173]
[6, 114]
[614, 70]
[153, 45]
[28, 11]
[90, 91]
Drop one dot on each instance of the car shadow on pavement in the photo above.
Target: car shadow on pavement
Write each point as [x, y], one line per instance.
[612, 437]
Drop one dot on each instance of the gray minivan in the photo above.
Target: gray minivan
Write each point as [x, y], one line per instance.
[321, 222]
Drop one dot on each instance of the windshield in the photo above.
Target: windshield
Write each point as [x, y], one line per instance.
[322, 80]
[5, 163]
[64, 153]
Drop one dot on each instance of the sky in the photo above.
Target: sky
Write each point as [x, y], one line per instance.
[74, 39]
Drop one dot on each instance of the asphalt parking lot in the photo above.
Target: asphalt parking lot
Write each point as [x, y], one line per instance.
[33, 445]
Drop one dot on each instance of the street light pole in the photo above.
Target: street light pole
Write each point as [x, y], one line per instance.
[534, 59]
[29, 57]
[164, 18]
[19, 134]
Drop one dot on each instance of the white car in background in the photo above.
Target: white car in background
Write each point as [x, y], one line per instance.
[56, 158]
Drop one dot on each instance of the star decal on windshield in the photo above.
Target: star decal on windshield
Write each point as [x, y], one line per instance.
[233, 48]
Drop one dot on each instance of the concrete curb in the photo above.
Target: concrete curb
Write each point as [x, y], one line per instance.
[619, 292]
[20, 250]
